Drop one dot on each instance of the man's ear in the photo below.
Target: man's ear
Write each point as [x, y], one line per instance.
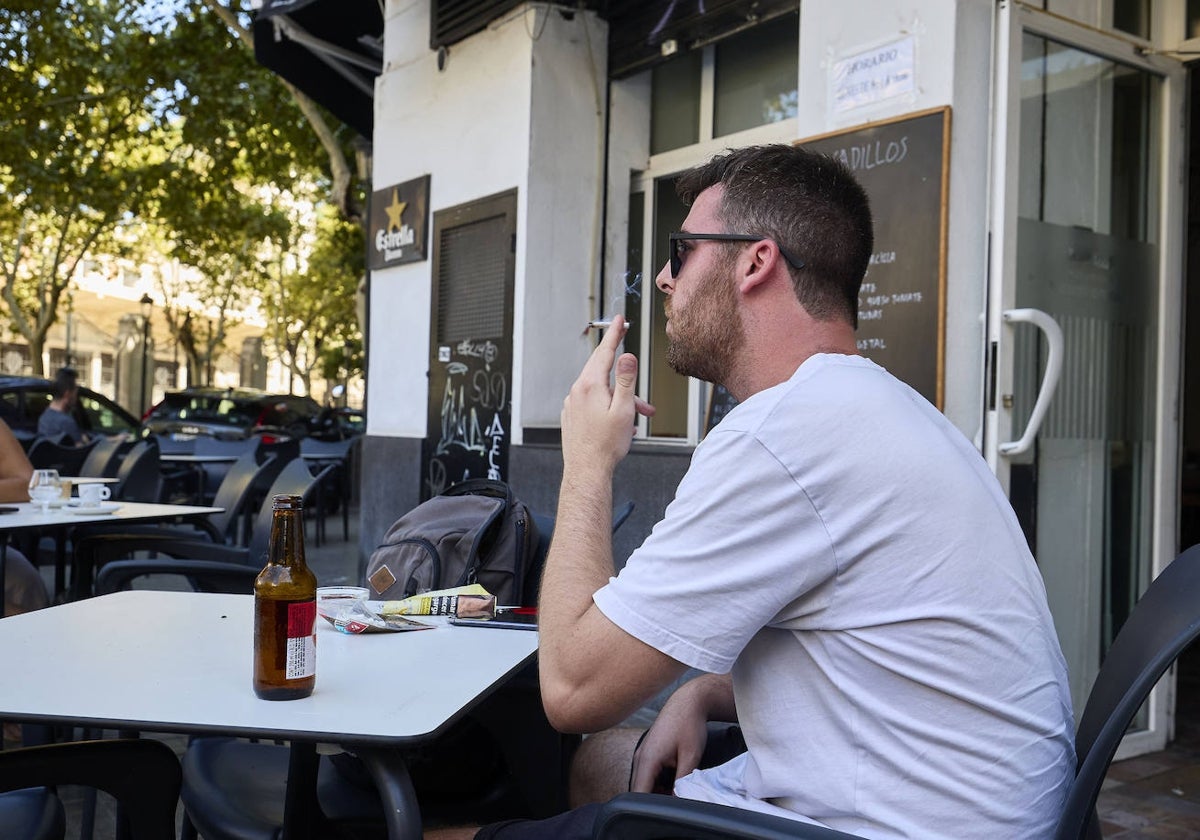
[758, 264]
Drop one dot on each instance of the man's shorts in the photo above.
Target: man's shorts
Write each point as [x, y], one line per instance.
[724, 743]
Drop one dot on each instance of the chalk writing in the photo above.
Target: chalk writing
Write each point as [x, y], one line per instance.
[496, 433]
[460, 424]
[485, 350]
[489, 389]
[867, 156]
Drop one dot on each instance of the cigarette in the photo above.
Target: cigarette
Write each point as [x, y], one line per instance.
[603, 324]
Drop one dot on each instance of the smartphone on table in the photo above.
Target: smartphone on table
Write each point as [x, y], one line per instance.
[504, 621]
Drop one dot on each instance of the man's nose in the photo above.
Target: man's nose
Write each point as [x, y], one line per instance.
[664, 280]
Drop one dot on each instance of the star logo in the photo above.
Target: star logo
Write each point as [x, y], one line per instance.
[394, 211]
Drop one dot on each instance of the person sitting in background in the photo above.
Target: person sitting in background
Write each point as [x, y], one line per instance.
[56, 420]
[24, 589]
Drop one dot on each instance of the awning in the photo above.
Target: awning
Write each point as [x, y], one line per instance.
[332, 50]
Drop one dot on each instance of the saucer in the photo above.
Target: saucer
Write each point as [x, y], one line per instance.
[93, 510]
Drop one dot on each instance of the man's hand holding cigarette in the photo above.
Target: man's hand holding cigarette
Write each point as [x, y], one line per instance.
[599, 414]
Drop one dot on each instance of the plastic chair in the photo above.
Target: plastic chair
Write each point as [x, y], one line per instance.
[101, 460]
[143, 775]
[214, 473]
[47, 454]
[139, 478]
[233, 497]
[101, 549]
[338, 454]
[1162, 624]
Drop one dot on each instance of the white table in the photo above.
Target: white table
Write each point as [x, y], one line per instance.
[31, 517]
[182, 662]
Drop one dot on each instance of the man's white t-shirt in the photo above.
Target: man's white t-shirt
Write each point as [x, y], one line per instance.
[840, 547]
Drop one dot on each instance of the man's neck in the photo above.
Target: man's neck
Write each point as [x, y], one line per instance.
[773, 355]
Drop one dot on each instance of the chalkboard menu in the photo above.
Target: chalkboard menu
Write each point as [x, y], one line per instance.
[903, 164]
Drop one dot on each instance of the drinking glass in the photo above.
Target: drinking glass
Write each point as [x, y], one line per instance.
[44, 488]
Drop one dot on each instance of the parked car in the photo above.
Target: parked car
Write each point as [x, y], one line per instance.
[232, 414]
[339, 423]
[24, 398]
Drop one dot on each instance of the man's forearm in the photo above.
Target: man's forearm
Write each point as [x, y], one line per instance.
[14, 490]
[579, 563]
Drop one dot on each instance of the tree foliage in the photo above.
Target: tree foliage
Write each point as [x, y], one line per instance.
[312, 306]
[81, 143]
[152, 116]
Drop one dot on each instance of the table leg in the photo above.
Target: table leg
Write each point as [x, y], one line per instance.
[300, 811]
[60, 564]
[390, 774]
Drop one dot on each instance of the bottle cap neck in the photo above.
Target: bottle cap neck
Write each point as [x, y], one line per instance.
[287, 501]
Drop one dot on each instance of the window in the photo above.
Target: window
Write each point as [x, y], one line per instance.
[755, 79]
[737, 92]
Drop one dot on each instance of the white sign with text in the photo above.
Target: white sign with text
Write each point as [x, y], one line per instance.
[873, 75]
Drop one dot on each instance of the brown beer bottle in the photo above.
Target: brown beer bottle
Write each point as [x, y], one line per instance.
[285, 611]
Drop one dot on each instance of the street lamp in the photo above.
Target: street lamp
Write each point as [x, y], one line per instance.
[147, 305]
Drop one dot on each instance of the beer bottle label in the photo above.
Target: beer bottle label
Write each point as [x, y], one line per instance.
[301, 640]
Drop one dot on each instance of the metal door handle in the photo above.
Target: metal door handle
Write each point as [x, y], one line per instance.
[1054, 339]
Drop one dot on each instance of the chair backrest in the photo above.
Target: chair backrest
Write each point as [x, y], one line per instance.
[327, 450]
[47, 454]
[201, 575]
[1165, 621]
[139, 478]
[293, 480]
[233, 494]
[143, 775]
[101, 459]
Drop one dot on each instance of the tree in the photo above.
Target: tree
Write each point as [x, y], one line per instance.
[343, 190]
[256, 168]
[312, 309]
[81, 143]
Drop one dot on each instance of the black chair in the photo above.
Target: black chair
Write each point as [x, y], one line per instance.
[214, 473]
[139, 478]
[101, 549]
[101, 460]
[143, 776]
[336, 489]
[1164, 622]
[48, 454]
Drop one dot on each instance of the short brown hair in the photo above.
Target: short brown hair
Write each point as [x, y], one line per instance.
[807, 202]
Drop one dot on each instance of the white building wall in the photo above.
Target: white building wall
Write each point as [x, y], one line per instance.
[953, 59]
[562, 234]
[467, 126]
[520, 104]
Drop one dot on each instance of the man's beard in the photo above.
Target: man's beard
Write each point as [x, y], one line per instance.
[707, 336]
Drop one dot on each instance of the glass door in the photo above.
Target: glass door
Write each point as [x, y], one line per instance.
[1085, 281]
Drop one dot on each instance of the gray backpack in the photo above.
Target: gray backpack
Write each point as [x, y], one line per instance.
[474, 532]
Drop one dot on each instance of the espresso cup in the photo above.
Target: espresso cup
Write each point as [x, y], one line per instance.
[93, 494]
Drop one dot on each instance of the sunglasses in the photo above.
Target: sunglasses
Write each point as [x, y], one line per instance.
[679, 247]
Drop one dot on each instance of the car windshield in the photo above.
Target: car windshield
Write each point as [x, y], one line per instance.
[208, 408]
[102, 418]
